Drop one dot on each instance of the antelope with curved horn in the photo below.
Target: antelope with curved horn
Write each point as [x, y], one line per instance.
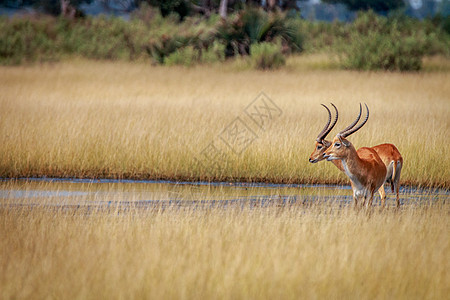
[388, 153]
[364, 167]
[321, 144]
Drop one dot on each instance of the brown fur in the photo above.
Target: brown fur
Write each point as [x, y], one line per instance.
[387, 152]
[390, 154]
[365, 168]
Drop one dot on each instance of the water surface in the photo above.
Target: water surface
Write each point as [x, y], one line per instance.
[106, 193]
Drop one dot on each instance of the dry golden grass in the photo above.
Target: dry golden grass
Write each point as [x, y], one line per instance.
[98, 119]
[272, 253]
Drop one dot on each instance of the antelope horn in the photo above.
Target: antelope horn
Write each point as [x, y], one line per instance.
[324, 132]
[346, 132]
[334, 122]
[354, 123]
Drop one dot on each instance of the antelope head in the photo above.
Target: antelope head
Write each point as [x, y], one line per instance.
[321, 145]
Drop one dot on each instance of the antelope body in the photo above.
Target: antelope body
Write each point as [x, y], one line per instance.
[364, 167]
[388, 153]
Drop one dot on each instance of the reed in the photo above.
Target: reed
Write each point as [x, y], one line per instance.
[314, 252]
[128, 120]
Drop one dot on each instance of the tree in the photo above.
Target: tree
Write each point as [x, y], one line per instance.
[376, 5]
[223, 9]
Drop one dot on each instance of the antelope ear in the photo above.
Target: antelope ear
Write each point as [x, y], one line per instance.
[344, 142]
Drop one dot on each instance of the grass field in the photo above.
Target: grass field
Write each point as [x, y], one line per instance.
[272, 253]
[125, 120]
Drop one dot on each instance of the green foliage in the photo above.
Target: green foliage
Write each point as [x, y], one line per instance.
[189, 55]
[102, 38]
[184, 56]
[321, 36]
[164, 46]
[370, 42]
[215, 53]
[387, 52]
[25, 40]
[267, 56]
[168, 36]
[377, 42]
[254, 25]
[328, 37]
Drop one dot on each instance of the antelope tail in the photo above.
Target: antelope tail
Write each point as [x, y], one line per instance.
[394, 170]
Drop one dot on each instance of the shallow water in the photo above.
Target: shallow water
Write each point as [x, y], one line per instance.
[106, 193]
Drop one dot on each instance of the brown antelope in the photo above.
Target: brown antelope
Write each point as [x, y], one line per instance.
[364, 167]
[388, 153]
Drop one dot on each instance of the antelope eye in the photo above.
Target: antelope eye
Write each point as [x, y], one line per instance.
[337, 145]
[319, 147]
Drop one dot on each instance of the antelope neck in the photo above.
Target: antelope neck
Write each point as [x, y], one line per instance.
[350, 164]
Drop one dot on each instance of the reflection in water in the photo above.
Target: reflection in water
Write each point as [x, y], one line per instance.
[123, 194]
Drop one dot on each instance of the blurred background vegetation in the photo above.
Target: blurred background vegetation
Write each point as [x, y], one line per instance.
[379, 34]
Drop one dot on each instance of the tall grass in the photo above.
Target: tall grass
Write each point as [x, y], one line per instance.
[96, 119]
[272, 253]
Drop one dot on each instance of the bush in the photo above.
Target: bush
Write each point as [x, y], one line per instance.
[215, 53]
[169, 37]
[162, 47]
[371, 42]
[252, 25]
[184, 56]
[377, 43]
[377, 51]
[266, 56]
[189, 55]
[26, 40]
[100, 38]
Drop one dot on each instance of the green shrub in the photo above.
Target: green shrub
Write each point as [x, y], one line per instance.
[215, 53]
[167, 38]
[98, 38]
[370, 42]
[252, 25]
[266, 56]
[186, 56]
[376, 43]
[376, 51]
[326, 37]
[26, 40]
[162, 47]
